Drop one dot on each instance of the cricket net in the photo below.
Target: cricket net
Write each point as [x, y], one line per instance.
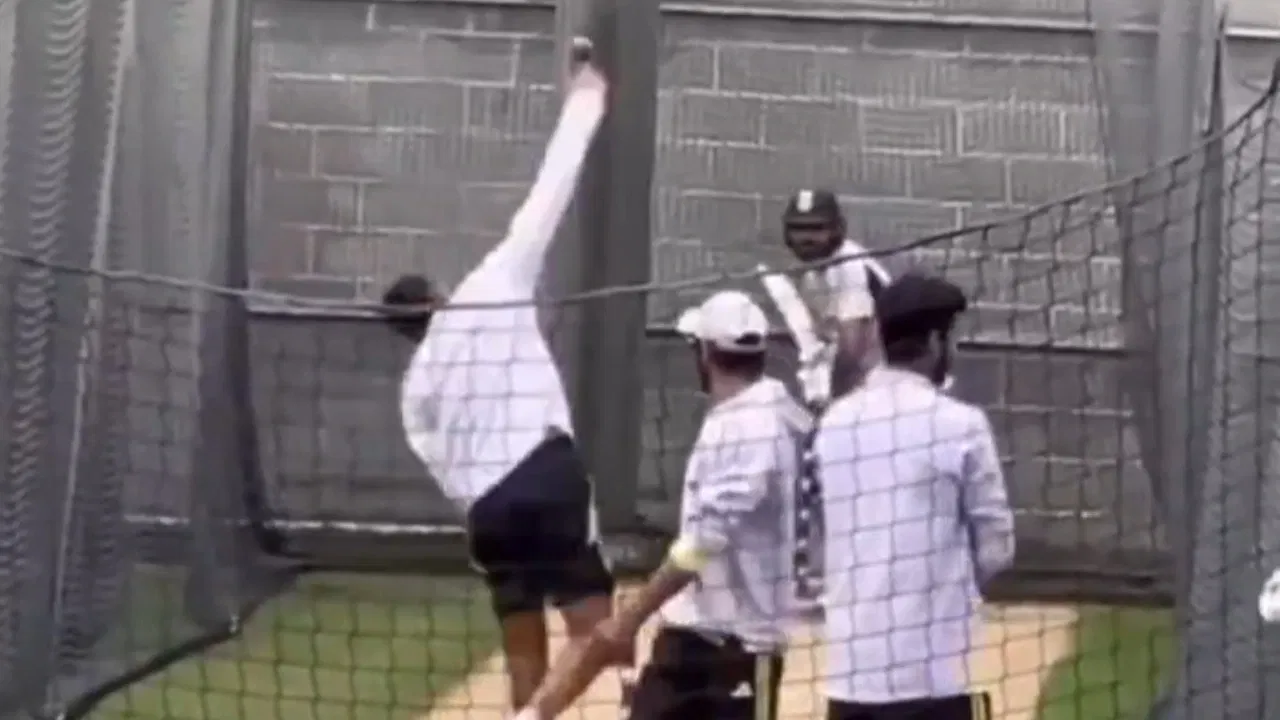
[146, 544]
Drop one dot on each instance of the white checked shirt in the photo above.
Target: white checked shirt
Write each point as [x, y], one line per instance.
[917, 517]
[482, 388]
[737, 505]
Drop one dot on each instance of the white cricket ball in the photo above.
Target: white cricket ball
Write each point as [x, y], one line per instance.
[1269, 598]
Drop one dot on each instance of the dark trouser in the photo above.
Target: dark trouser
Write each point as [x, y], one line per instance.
[975, 706]
[691, 677]
[807, 555]
[531, 533]
[846, 373]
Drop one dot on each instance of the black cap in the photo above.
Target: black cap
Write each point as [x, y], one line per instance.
[916, 304]
[812, 206]
[408, 290]
[582, 50]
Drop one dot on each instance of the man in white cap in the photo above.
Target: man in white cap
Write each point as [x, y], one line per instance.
[723, 594]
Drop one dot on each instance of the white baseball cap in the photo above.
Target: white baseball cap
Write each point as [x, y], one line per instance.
[729, 320]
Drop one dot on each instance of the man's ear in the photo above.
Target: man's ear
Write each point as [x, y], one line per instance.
[937, 343]
[704, 351]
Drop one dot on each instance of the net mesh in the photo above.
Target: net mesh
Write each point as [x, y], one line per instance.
[155, 491]
[372, 646]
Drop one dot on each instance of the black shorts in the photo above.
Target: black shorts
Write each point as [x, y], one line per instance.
[974, 706]
[690, 677]
[531, 534]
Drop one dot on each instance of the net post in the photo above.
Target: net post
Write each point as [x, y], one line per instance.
[1203, 369]
[614, 228]
[229, 534]
[1227, 657]
[253, 484]
[561, 323]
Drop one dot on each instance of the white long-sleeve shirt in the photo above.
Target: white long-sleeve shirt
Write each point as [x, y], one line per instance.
[482, 388]
[737, 505]
[917, 516]
[827, 289]
[834, 294]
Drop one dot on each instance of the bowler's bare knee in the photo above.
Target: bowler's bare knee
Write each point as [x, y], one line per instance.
[584, 614]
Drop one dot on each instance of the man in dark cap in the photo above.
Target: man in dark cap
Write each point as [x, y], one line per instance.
[916, 315]
[917, 521]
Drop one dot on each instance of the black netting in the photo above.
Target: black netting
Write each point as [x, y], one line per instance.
[153, 539]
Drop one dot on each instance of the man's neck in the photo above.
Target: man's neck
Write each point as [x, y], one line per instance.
[846, 379]
[726, 388]
[912, 370]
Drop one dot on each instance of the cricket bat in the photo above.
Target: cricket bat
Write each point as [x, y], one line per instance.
[795, 313]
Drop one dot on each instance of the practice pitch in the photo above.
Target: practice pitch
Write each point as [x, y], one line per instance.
[1018, 647]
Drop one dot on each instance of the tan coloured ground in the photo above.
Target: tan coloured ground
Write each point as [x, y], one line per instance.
[1020, 645]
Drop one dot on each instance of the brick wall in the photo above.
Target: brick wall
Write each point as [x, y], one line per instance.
[401, 135]
[920, 127]
[392, 136]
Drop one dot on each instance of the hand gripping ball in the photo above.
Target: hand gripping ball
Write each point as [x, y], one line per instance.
[1269, 598]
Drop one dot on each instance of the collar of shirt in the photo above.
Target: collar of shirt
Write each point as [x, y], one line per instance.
[765, 391]
[884, 376]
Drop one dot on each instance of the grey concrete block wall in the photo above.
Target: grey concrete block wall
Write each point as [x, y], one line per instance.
[921, 127]
[392, 137]
[401, 135]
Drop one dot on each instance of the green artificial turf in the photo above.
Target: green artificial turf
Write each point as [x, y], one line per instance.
[1120, 665]
[346, 647]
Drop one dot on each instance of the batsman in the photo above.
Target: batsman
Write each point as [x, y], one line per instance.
[831, 318]
[831, 315]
